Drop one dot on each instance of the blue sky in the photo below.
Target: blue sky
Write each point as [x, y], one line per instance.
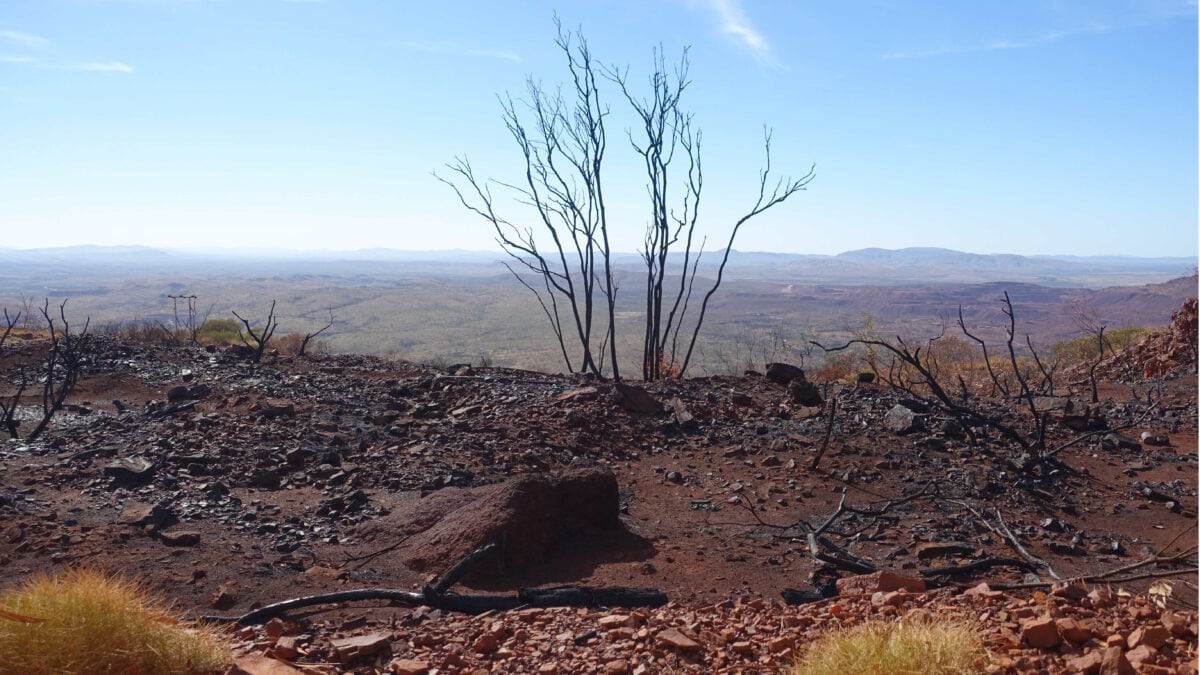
[1017, 126]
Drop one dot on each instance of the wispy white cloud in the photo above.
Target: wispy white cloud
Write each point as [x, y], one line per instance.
[732, 20]
[26, 39]
[1049, 37]
[453, 49]
[17, 59]
[110, 67]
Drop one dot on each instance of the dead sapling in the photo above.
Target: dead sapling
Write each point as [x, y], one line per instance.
[259, 337]
[63, 366]
[309, 336]
[8, 404]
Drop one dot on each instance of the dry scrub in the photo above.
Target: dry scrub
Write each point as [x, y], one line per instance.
[89, 623]
[910, 646]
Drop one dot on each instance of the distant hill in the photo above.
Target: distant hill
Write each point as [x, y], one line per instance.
[868, 266]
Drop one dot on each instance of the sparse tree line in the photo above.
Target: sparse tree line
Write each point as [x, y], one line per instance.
[52, 376]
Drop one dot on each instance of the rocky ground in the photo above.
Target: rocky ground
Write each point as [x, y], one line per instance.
[229, 485]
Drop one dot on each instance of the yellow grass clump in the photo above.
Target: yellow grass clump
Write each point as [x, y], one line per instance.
[88, 622]
[908, 646]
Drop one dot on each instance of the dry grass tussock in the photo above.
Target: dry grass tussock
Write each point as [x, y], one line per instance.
[88, 622]
[910, 646]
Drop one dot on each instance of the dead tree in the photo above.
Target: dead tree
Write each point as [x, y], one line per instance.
[10, 322]
[915, 373]
[62, 368]
[260, 337]
[309, 336]
[565, 257]
[565, 260]
[666, 133]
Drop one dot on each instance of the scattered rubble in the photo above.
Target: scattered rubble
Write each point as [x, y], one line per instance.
[230, 484]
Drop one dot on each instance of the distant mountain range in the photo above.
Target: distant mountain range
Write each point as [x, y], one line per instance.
[868, 266]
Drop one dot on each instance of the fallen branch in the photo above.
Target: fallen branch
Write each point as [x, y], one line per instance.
[978, 565]
[1008, 536]
[460, 569]
[451, 602]
[1012, 539]
[1091, 578]
[840, 557]
[563, 596]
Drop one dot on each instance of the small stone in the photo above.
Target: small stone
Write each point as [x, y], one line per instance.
[486, 644]
[257, 664]
[348, 650]
[408, 667]
[1137, 655]
[1073, 631]
[286, 648]
[741, 647]
[130, 470]
[1040, 633]
[780, 643]
[274, 628]
[180, 538]
[1069, 591]
[1088, 664]
[617, 667]
[223, 598]
[613, 621]
[1115, 663]
[1174, 623]
[866, 584]
[984, 591]
[1100, 598]
[671, 637]
[1154, 636]
[149, 516]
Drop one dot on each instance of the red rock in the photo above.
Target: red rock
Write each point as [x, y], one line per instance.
[671, 637]
[285, 648]
[1115, 663]
[1137, 655]
[741, 647]
[180, 538]
[1040, 633]
[617, 667]
[535, 512]
[779, 644]
[1154, 636]
[408, 667]
[1101, 598]
[486, 644]
[613, 621]
[223, 598]
[1174, 623]
[635, 399]
[866, 584]
[257, 664]
[347, 650]
[1088, 664]
[1073, 631]
[274, 627]
[1069, 591]
[548, 669]
[983, 590]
